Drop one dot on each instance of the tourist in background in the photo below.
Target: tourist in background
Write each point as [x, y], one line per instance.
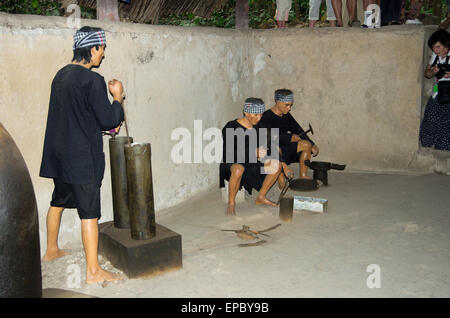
[390, 12]
[351, 8]
[282, 13]
[414, 11]
[367, 3]
[314, 12]
[435, 126]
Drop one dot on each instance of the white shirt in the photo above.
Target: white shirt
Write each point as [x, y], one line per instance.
[440, 61]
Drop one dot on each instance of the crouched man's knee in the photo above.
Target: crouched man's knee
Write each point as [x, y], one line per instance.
[272, 166]
[304, 145]
[237, 170]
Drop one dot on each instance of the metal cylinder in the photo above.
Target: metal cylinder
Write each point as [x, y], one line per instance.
[20, 259]
[287, 209]
[140, 191]
[119, 181]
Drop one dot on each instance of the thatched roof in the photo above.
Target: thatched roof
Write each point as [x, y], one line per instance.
[143, 11]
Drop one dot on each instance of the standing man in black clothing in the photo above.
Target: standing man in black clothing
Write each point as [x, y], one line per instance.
[293, 147]
[73, 147]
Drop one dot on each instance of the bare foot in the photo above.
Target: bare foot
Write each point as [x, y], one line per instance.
[230, 209]
[264, 200]
[305, 177]
[51, 255]
[102, 276]
[281, 181]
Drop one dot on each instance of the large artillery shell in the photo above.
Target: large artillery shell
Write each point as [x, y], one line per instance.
[119, 181]
[20, 260]
[140, 191]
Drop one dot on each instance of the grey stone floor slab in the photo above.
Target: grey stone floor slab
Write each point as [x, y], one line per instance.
[398, 224]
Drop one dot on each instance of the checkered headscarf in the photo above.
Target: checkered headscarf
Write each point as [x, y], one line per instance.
[254, 106]
[86, 39]
[284, 95]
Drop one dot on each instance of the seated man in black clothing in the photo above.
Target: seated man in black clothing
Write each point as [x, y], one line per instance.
[240, 165]
[293, 147]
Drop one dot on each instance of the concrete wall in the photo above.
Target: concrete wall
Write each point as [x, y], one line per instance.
[171, 77]
[360, 90]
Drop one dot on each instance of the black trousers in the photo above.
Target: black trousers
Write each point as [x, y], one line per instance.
[390, 11]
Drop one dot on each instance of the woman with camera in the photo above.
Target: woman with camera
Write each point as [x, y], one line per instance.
[435, 126]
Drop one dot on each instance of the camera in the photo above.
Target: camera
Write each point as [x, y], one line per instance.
[442, 69]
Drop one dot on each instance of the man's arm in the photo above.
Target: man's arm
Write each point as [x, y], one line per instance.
[297, 130]
[108, 115]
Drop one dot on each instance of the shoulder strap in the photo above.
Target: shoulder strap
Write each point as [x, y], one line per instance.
[436, 60]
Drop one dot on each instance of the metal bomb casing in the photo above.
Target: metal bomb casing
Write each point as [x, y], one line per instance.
[140, 191]
[119, 181]
[20, 259]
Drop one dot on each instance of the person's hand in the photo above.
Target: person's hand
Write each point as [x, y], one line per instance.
[315, 150]
[117, 129]
[261, 152]
[287, 171]
[447, 75]
[295, 138]
[429, 72]
[435, 69]
[116, 90]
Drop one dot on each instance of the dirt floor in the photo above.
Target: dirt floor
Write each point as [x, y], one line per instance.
[399, 223]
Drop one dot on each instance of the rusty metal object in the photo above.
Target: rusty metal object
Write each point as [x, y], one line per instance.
[304, 184]
[286, 209]
[246, 234]
[20, 260]
[119, 181]
[140, 191]
[285, 188]
[253, 244]
[321, 168]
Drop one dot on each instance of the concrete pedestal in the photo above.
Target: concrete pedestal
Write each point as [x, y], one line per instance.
[138, 258]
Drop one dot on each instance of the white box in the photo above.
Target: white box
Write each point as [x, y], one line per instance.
[310, 204]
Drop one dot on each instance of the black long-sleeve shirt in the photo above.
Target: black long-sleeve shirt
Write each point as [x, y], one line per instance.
[78, 112]
[239, 143]
[286, 124]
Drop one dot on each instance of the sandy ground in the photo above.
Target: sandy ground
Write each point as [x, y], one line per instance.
[400, 223]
